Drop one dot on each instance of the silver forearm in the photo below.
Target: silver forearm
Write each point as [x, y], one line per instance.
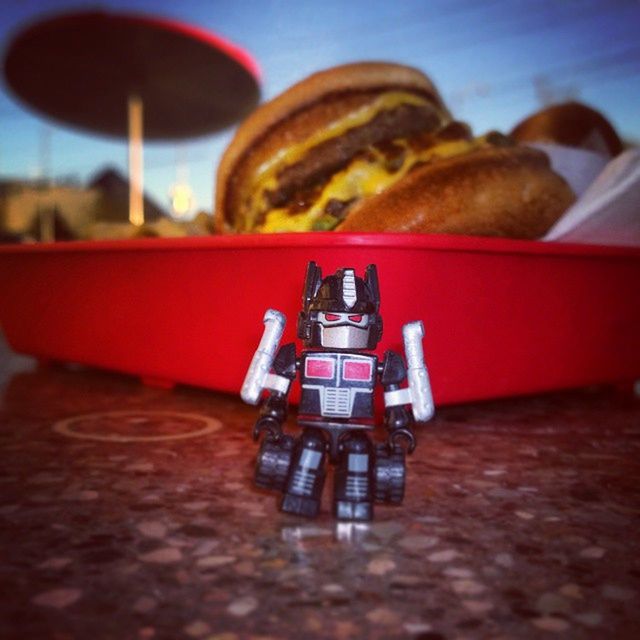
[255, 380]
[418, 377]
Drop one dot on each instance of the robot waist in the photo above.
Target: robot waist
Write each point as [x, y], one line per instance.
[335, 429]
[335, 424]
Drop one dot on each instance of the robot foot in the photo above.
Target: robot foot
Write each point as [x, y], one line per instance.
[389, 474]
[347, 510]
[300, 505]
[273, 463]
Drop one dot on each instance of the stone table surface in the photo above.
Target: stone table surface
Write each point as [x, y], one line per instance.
[129, 512]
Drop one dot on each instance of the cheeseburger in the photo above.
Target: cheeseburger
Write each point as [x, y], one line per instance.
[372, 147]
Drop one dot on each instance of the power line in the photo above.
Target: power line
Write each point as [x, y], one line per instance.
[592, 66]
[454, 36]
[527, 25]
[369, 22]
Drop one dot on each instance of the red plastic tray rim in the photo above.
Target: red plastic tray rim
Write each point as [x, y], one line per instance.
[430, 242]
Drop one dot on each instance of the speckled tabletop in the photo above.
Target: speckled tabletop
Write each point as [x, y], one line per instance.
[129, 512]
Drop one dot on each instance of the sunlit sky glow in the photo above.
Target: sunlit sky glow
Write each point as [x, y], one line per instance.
[495, 62]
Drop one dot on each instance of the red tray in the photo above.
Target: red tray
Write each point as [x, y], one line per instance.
[502, 317]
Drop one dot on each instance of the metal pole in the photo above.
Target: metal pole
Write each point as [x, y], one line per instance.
[45, 155]
[136, 205]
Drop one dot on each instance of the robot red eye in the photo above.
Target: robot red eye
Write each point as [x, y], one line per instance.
[331, 317]
[357, 318]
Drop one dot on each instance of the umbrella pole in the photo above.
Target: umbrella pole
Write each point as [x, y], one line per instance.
[136, 207]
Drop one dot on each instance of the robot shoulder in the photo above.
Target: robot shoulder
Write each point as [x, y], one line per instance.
[393, 369]
[284, 363]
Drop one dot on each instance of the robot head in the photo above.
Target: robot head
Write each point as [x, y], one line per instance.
[340, 311]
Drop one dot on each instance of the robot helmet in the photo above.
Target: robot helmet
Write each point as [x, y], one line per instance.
[341, 310]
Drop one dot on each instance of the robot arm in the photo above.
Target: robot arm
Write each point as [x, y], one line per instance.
[417, 395]
[273, 412]
[397, 418]
[270, 372]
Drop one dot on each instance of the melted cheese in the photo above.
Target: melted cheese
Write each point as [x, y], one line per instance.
[265, 178]
[361, 179]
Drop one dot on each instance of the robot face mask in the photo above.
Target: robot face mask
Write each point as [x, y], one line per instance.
[341, 310]
[343, 330]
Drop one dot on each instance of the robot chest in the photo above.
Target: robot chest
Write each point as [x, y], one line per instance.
[338, 384]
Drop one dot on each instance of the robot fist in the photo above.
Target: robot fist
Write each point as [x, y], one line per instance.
[398, 422]
[270, 425]
[272, 416]
[398, 435]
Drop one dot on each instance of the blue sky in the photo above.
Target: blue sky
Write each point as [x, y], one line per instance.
[495, 62]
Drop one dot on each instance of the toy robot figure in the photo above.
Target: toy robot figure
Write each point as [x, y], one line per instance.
[340, 326]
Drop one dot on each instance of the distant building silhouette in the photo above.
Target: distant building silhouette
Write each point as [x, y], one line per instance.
[38, 210]
[113, 204]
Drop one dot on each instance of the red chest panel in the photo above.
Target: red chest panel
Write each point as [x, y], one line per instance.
[338, 383]
[357, 370]
[323, 368]
[338, 369]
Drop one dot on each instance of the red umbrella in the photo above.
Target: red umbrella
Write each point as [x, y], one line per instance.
[106, 72]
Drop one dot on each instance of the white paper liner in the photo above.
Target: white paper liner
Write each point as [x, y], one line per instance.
[608, 207]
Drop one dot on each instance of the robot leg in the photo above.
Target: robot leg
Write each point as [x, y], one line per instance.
[303, 489]
[353, 488]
